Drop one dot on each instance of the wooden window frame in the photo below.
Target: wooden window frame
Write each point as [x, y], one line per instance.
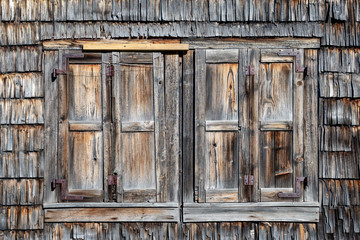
[250, 209]
[79, 211]
[171, 212]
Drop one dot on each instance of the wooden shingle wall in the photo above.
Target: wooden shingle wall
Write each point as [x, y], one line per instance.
[25, 24]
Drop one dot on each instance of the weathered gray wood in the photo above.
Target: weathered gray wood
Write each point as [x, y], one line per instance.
[51, 124]
[188, 126]
[107, 205]
[136, 57]
[311, 144]
[85, 126]
[222, 56]
[112, 215]
[271, 194]
[160, 129]
[141, 126]
[273, 126]
[21, 217]
[246, 43]
[251, 213]
[254, 56]
[200, 116]
[222, 125]
[21, 192]
[173, 75]
[276, 92]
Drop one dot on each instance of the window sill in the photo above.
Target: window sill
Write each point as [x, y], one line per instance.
[255, 212]
[111, 212]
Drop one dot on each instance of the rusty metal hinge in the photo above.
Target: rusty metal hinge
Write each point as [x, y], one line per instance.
[63, 187]
[196, 194]
[109, 70]
[57, 72]
[296, 194]
[249, 70]
[248, 179]
[297, 56]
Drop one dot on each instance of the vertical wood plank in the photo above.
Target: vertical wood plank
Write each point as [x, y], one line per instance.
[117, 136]
[107, 125]
[311, 144]
[244, 133]
[200, 100]
[173, 75]
[298, 130]
[50, 61]
[188, 126]
[254, 56]
[160, 127]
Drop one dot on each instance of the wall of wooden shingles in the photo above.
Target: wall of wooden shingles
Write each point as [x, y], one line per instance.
[25, 24]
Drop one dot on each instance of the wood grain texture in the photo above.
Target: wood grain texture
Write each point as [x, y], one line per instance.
[249, 213]
[188, 126]
[112, 215]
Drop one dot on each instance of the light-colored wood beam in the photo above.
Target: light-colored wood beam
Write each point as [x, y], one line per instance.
[97, 46]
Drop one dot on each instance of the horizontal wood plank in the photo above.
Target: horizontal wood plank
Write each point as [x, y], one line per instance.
[96, 46]
[85, 126]
[108, 205]
[141, 126]
[254, 43]
[274, 126]
[112, 215]
[271, 194]
[222, 125]
[251, 213]
[271, 55]
[222, 56]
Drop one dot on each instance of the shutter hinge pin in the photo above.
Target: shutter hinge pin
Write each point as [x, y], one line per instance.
[248, 179]
[296, 194]
[65, 57]
[63, 187]
[249, 70]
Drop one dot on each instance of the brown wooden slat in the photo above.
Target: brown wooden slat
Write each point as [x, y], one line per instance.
[112, 215]
[222, 125]
[85, 126]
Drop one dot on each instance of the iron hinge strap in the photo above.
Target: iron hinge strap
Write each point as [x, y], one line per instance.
[63, 187]
[65, 57]
[296, 194]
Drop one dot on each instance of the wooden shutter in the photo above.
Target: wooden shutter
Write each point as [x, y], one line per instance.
[81, 128]
[217, 125]
[280, 106]
[139, 124]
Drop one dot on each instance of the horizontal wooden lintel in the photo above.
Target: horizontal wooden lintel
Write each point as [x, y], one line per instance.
[112, 215]
[96, 46]
[253, 213]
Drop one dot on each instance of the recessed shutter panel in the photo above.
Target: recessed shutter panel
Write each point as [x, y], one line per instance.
[280, 123]
[135, 138]
[217, 125]
[81, 135]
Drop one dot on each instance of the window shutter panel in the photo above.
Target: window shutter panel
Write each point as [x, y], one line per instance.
[81, 129]
[280, 104]
[135, 118]
[217, 125]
